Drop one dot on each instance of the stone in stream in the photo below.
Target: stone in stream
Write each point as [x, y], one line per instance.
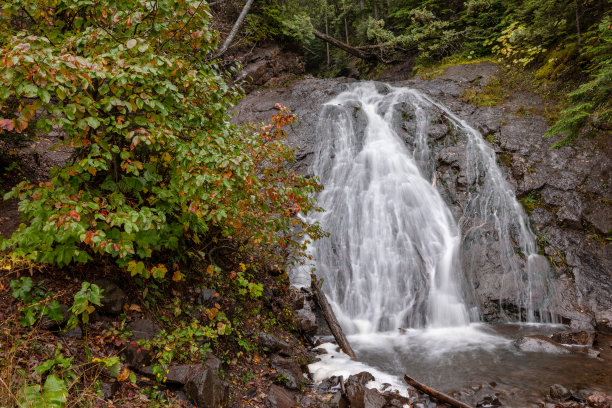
[582, 337]
[599, 400]
[539, 343]
[558, 391]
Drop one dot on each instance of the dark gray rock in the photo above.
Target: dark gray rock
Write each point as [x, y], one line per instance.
[109, 389]
[206, 297]
[48, 324]
[273, 344]
[206, 390]
[279, 397]
[113, 297]
[143, 329]
[540, 344]
[290, 371]
[75, 333]
[306, 321]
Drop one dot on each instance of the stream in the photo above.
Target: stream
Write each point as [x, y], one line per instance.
[398, 265]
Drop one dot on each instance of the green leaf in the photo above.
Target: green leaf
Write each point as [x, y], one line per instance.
[131, 44]
[93, 122]
[55, 392]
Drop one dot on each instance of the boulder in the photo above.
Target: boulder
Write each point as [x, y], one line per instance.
[279, 397]
[290, 370]
[582, 338]
[359, 396]
[113, 297]
[541, 344]
[206, 390]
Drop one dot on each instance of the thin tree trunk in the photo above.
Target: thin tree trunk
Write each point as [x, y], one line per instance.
[332, 322]
[346, 32]
[327, 33]
[440, 396]
[232, 34]
[578, 25]
[351, 50]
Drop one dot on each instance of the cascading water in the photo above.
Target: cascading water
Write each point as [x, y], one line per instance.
[393, 258]
[426, 235]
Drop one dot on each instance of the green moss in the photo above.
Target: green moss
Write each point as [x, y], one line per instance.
[491, 95]
[435, 70]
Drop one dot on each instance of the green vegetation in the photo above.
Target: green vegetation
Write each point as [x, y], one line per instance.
[563, 44]
[160, 188]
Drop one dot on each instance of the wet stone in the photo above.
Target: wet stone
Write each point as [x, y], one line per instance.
[558, 391]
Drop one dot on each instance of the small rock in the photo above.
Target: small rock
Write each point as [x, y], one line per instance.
[273, 344]
[373, 399]
[538, 343]
[113, 297]
[489, 401]
[279, 397]
[362, 378]
[109, 389]
[74, 333]
[583, 337]
[206, 297]
[290, 370]
[593, 353]
[206, 390]
[306, 321]
[143, 329]
[558, 391]
[599, 400]
[48, 324]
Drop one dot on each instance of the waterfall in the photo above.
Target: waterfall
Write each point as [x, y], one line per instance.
[394, 255]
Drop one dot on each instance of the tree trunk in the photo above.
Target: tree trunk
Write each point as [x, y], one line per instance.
[447, 399]
[346, 32]
[332, 322]
[578, 25]
[327, 34]
[351, 50]
[232, 34]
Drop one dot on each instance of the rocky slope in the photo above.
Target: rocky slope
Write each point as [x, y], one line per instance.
[567, 191]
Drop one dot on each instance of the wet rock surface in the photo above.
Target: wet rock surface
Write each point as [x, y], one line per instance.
[568, 191]
[539, 343]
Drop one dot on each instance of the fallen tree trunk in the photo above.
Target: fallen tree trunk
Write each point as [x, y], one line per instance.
[351, 50]
[440, 396]
[332, 322]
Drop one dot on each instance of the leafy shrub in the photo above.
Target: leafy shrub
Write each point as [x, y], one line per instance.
[157, 166]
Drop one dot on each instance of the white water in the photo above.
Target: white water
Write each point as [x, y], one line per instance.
[393, 258]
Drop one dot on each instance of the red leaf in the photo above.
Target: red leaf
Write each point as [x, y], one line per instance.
[7, 125]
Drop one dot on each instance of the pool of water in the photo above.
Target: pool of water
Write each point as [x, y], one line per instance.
[455, 359]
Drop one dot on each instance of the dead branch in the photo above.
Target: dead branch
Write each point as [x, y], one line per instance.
[330, 317]
[440, 396]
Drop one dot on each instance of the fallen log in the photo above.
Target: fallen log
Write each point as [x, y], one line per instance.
[351, 50]
[330, 317]
[440, 396]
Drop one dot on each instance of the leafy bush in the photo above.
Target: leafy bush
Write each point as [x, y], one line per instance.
[157, 167]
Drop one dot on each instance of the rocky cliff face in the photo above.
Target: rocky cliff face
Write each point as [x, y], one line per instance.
[567, 191]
